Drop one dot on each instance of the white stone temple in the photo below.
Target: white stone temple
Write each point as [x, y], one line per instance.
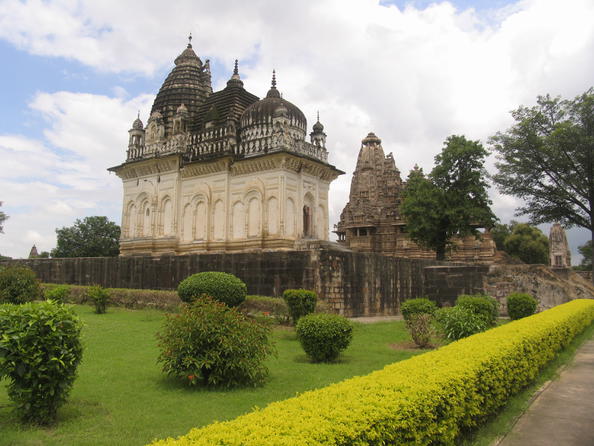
[222, 171]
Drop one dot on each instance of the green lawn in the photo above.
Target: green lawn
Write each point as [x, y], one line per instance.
[122, 398]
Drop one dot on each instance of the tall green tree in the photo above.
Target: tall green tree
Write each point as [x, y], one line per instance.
[452, 201]
[547, 159]
[90, 237]
[586, 251]
[527, 243]
[3, 218]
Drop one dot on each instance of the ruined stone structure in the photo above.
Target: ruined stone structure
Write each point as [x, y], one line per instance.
[222, 171]
[560, 256]
[371, 220]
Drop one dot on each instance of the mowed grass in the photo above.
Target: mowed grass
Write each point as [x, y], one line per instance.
[121, 396]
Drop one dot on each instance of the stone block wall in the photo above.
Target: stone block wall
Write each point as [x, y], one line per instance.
[355, 284]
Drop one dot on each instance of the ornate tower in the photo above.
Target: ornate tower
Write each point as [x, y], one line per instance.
[560, 256]
[369, 220]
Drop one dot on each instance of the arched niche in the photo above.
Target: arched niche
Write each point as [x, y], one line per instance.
[273, 215]
[238, 221]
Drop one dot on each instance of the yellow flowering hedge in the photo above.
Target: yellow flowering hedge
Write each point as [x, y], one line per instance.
[427, 399]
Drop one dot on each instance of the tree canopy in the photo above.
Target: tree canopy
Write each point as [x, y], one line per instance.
[3, 218]
[547, 159]
[586, 251]
[527, 243]
[90, 237]
[452, 200]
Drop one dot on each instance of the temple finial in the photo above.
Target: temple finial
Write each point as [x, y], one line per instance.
[273, 79]
[318, 115]
[138, 115]
[236, 69]
[190, 41]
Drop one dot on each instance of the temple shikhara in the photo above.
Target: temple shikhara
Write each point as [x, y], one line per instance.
[371, 220]
[559, 253]
[222, 171]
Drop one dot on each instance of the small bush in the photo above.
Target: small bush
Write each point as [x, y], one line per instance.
[40, 350]
[300, 303]
[520, 305]
[484, 306]
[58, 294]
[211, 344]
[18, 285]
[100, 298]
[459, 322]
[419, 305]
[420, 327]
[323, 336]
[223, 287]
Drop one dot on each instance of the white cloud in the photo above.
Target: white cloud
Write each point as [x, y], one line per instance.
[412, 76]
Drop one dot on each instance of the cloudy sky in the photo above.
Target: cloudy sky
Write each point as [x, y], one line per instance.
[74, 74]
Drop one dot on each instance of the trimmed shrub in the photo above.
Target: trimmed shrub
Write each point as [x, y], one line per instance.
[323, 336]
[484, 306]
[300, 303]
[224, 287]
[458, 322]
[58, 293]
[420, 327]
[427, 399]
[100, 298]
[40, 350]
[420, 305]
[521, 305]
[18, 285]
[211, 344]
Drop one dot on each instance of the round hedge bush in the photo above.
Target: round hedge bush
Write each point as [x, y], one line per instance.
[211, 344]
[481, 305]
[420, 305]
[18, 285]
[520, 305]
[323, 336]
[223, 287]
[40, 350]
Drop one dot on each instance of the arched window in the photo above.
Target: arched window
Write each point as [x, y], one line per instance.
[254, 218]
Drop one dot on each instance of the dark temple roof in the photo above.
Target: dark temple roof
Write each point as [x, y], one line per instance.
[223, 105]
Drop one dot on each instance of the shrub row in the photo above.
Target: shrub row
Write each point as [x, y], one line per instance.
[427, 399]
[120, 297]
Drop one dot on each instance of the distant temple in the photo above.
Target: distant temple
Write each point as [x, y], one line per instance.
[560, 256]
[222, 171]
[371, 220]
[33, 254]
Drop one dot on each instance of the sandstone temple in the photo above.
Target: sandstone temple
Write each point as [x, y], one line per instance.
[222, 171]
[371, 220]
[559, 253]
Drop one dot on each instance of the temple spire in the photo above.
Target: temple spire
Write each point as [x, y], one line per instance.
[273, 79]
[236, 69]
[190, 41]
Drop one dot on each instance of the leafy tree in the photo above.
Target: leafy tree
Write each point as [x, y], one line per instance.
[547, 159]
[586, 251]
[452, 201]
[3, 218]
[528, 244]
[90, 237]
[500, 232]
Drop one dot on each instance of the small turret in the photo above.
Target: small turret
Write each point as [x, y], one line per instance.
[318, 137]
[136, 138]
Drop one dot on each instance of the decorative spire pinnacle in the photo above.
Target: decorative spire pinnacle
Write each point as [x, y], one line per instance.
[190, 41]
[273, 92]
[138, 115]
[236, 69]
[318, 115]
[235, 79]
